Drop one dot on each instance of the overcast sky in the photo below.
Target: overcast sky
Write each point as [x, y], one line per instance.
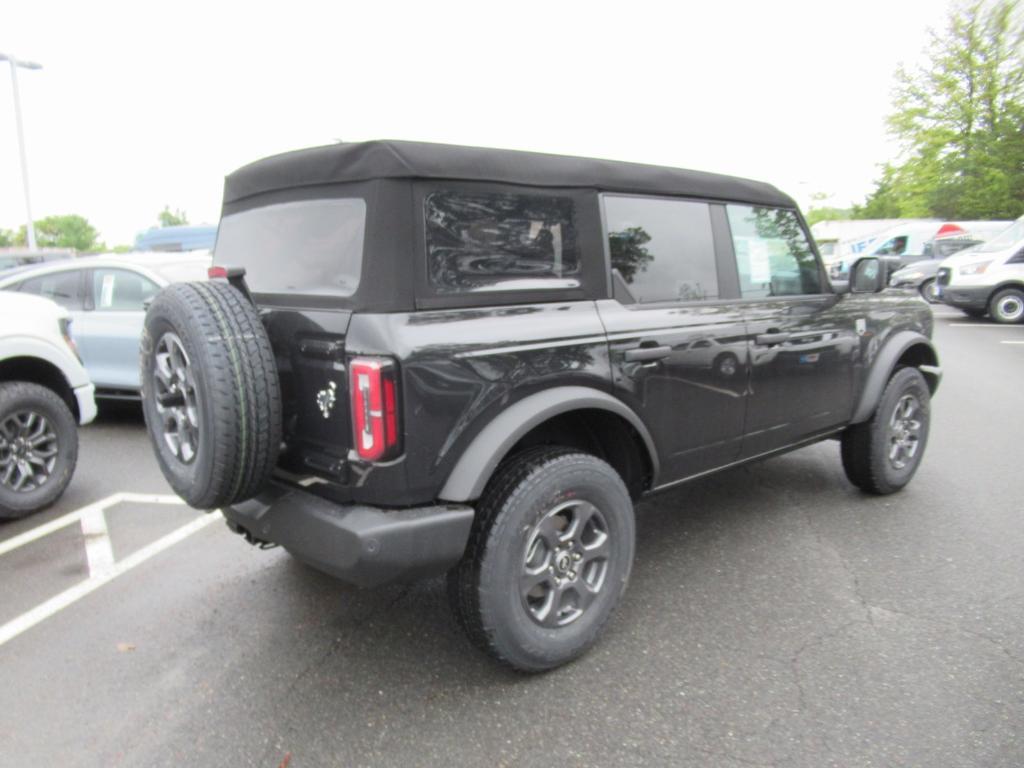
[145, 104]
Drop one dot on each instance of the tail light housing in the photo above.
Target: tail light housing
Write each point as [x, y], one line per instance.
[373, 390]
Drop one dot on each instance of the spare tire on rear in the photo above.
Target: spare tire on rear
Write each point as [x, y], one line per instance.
[210, 393]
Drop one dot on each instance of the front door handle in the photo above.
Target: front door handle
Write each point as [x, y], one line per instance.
[771, 338]
[647, 354]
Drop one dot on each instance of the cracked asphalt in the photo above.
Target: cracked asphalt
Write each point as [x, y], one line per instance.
[776, 617]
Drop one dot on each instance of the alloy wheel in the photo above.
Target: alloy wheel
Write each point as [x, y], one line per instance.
[565, 563]
[904, 431]
[176, 400]
[28, 450]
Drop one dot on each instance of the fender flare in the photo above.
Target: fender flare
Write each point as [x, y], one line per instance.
[480, 458]
[885, 363]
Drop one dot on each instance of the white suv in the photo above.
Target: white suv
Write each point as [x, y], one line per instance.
[43, 390]
[988, 278]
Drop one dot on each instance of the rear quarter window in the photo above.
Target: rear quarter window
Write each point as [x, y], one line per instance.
[482, 241]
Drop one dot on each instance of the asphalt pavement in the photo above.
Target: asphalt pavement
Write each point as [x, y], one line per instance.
[776, 617]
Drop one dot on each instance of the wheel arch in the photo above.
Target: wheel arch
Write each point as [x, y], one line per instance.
[906, 348]
[36, 370]
[582, 417]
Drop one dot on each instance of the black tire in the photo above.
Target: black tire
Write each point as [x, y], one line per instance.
[867, 448]
[47, 441]
[927, 289]
[525, 494]
[228, 399]
[1007, 306]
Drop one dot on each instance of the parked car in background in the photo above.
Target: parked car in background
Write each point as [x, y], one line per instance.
[11, 258]
[950, 239]
[44, 391]
[988, 278]
[106, 296]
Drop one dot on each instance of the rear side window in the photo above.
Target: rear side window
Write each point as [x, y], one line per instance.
[496, 241]
[773, 254]
[121, 290]
[61, 287]
[663, 250]
[314, 247]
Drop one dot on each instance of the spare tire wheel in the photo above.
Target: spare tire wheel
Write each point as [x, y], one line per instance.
[210, 393]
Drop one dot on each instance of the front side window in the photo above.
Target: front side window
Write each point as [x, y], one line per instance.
[491, 241]
[61, 287]
[663, 250]
[121, 290]
[893, 247]
[773, 254]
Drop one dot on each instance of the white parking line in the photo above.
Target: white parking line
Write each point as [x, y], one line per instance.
[987, 325]
[1006, 341]
[30, 618]
[73, 517]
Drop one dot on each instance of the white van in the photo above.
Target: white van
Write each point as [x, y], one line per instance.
[988, 277]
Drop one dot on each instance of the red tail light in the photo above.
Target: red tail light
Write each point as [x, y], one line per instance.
[374, 395]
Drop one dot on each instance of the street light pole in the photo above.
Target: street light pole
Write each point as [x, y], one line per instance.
[30, 229]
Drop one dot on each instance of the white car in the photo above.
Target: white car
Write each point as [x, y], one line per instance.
[988, 277]
[44, 390]
[107, 297]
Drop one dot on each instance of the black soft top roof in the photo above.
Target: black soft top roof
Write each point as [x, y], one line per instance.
[339, 163]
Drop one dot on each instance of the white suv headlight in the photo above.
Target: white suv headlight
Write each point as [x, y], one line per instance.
[974, 269]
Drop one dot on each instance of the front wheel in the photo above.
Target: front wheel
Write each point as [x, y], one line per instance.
[930, 291]
[881, 455]
[1007, 306]
[38, 448]
[548, 558]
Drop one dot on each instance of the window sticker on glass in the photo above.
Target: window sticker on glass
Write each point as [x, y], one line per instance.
[107, 291]
[760, 263]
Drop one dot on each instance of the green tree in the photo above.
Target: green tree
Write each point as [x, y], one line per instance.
[169, 218]
[960, 122]
[7, 238]
[68, 231]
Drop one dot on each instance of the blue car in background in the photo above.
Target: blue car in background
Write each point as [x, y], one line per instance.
[183, 238]
[107, 297]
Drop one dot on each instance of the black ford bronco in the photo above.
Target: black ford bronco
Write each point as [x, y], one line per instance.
[416, 359]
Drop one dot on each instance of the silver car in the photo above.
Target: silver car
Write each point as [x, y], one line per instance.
[107, 296]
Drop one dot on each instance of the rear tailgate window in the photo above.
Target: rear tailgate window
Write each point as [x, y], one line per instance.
[312, 247]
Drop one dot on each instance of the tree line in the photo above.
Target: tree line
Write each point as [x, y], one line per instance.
[959, 121]
[74, 231]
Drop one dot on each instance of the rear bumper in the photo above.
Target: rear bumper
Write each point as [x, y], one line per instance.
[362, 545]
[972, 297]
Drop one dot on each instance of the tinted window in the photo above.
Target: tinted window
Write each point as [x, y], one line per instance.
[893, 247]
[120, 290]
[663, 249]
[308, 246]
[772, 253]
[488, 241]
[61, 287]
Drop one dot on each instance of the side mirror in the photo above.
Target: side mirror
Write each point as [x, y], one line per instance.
[867, 275]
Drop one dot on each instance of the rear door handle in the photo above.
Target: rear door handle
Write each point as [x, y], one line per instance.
[771, 339]
[647, 354]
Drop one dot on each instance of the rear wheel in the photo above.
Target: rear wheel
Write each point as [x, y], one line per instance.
[1007, 306]
[210, 393]
[548, 558]
[881, 455]
[38, 448]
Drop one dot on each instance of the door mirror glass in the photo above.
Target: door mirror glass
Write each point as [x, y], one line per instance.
[866, 276]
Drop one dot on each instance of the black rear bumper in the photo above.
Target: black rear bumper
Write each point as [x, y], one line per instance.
[362, 545]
